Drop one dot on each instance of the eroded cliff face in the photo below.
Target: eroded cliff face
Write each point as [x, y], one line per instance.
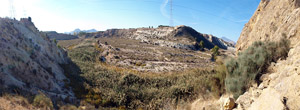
[279, 89]
[272, 20]
[29, 61]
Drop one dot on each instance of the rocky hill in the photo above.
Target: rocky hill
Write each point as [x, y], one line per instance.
[279, 89]
[30, 61]
[176, 37]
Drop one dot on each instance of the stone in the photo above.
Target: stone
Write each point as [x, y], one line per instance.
[270, 99]
[229, 104]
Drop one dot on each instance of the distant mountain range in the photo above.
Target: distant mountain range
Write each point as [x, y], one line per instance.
[228, 40]
[78, 30]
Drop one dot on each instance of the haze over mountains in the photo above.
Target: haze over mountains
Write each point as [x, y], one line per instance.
[78, 30]
[228, 40]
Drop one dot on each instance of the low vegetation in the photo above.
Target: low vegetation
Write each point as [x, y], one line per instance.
[107, 86]
[113, 87]
[42, 101]
[252, 63]
[29, 101]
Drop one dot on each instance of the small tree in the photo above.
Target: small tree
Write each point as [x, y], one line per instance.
[201, 45]
[215, 50]
[215, 53]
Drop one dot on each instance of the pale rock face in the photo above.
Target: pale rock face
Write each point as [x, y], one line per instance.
[272, 20]
[30, 61]
[279, 90]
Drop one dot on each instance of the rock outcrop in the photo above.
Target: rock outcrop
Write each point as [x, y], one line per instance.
[30, 61]
[279, 89]
[272, 20]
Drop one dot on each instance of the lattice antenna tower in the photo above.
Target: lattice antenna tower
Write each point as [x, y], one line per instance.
[12, 11]
[171, 12]
[24, 12]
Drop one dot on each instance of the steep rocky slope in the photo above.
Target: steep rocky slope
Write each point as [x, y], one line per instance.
[272, 20]
[30, 62]
[279, 89]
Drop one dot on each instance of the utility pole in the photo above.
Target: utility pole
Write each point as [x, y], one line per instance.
[12, 12]
[171, 12]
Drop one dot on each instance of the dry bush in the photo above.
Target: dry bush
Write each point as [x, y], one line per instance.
[252, 63]
[112, 87]
[42, 101]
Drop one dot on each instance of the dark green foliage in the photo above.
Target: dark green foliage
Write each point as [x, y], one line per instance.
[252, 63]
[200, 45]
[215, 53]
[54, 40]
[59, 46]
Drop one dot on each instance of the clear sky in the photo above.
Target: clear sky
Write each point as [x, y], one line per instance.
[216, 17]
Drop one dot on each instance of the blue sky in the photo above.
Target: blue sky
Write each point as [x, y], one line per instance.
[216, 17]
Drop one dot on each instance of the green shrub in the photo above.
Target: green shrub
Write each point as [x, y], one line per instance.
[201, 45]
[93, 98]
[59, 46]
[55, 41]
[215, 53]
[252, 63]
[42, 101]
[215, 50]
